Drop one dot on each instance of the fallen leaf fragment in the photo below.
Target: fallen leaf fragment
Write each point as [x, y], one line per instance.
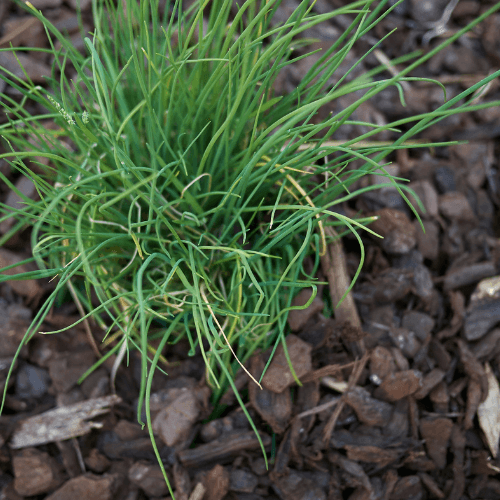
[488, 412]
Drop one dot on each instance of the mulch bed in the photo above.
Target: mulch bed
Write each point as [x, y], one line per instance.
[407, 407]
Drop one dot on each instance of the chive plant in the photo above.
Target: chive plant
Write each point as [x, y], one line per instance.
[182, 195]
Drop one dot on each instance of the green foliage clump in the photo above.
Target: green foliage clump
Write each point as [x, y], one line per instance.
[182, 195]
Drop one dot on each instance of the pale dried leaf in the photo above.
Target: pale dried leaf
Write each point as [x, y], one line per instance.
[489, 412]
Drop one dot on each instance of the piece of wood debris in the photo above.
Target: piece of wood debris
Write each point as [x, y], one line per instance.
[198, 492]
[488, 412]
[62, 423]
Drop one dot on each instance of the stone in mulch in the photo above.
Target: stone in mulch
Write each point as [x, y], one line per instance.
[35, 69]
[381, 364]
[424, 13]
[216, 483]
[420, 323]
[274, 408]
[369, 410]
[427, 195]
[487, 347]
[482, 315]
[454, 205]
[436, 433]
[399, 385]
[242, 481]
[431, 485]
[472, 367]
[440, 398]
[96, 461]
[402, 362]
[24, 30]
[174, 422]
[278, 376]
[71, 457]
[15, 201]
[181, 482]
[468, 275]
[141, 448]
[67, 21]
[408, 488]
[149, 478]
[473, 159]
[352, 474]
[429, 381]
[405, 340]
[297, 318]
[396, 229]
[29, 289]
[445, 179]
[35, 472]
[83, 5]
[89, 487]
[297, 486]
[428, 241]
[439, 354]
[32, 382]
[46, 4]
[215, 428]
[423, 285]
[387, 287]
[66, 368]
[373, 454]
[15, 321]
[453, 325]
